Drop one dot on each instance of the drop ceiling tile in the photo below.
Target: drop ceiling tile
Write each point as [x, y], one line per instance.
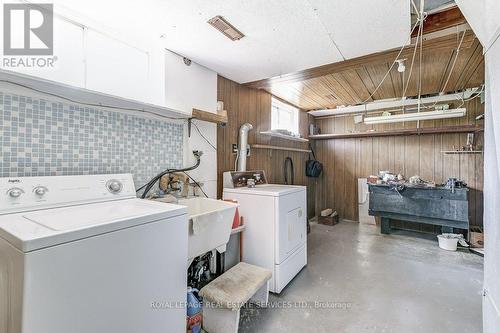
[281, 36]
[363, 27]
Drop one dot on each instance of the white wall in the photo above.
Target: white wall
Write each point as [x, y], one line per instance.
[483, 16]
[97, 57]
[206, 173]
[491, 304]
[188, 87]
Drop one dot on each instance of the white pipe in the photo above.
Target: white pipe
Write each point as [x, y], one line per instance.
[242, 148]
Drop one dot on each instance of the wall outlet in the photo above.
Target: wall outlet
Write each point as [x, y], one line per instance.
[358, 119]
[234, 148]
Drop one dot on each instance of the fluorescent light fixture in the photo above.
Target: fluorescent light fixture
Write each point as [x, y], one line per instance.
[415, 116]
[395, 104]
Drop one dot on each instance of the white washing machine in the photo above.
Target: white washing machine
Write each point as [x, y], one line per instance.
[82, 254]
[275, 217]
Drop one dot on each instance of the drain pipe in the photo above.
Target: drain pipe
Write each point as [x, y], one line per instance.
[242, 149]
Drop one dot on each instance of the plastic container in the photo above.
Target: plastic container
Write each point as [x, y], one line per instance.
[447, 243]
[194, 312]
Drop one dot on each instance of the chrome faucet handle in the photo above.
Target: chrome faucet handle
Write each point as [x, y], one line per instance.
[195, 186]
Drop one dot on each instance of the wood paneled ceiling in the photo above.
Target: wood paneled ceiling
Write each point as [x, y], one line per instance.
[353, 81]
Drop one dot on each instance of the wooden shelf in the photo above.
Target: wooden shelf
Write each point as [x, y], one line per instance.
[462, 152]
[217, 118]
[401, 132]
[257, 146]
[283, 136]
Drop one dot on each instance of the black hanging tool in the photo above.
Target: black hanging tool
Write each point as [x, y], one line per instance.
[288, 163]
[313, 166]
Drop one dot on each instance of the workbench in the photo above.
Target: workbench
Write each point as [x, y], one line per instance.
[429, 205]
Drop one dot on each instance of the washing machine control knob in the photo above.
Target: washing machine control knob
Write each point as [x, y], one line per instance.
[15, 192]
[114, 186]
[40, 190]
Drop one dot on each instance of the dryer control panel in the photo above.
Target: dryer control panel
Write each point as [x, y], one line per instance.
[235, 179]
[20, 194]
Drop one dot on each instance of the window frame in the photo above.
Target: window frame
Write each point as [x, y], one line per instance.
[277, 106]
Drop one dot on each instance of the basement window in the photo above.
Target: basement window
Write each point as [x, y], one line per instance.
[284, 117]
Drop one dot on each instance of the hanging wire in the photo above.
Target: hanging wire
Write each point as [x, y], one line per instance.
[392, 65]
[420, 62]
[473, 97]
[203, 136]
[463, 101]
[236, 159]
[421, 16]
[420, 22]
[454, 63]
[452, 68]
[415, 7]
[196, 183]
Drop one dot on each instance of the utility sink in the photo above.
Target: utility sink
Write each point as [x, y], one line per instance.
[210, 224]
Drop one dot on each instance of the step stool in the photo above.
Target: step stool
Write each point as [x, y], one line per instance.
[224, 296]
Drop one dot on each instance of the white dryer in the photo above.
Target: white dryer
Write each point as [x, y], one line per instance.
[275, 217]
[82, 254]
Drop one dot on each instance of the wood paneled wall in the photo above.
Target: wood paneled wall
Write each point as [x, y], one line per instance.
[346, 160]
[254, 106]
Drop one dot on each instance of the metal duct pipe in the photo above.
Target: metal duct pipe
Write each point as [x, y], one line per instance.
[242, 147]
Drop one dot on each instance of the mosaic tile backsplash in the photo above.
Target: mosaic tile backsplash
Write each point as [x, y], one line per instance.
[39, 137]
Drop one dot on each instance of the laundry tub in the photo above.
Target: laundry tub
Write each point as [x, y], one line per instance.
[210, 224]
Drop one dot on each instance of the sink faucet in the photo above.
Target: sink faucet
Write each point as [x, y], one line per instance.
[195, 186]
[175, 184]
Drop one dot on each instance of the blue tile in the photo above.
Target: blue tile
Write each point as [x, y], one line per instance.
[89, 140]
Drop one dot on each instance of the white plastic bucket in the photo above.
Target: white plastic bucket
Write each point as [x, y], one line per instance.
[449, 244]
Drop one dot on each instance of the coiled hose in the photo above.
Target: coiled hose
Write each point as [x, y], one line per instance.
[286, 164]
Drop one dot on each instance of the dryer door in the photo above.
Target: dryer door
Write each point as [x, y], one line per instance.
[291, 224]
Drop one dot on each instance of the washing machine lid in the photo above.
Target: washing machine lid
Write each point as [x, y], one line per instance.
[274, 190]
[29, 231]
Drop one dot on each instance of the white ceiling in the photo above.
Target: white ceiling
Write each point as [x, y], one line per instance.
[282, 36]
[363, 27]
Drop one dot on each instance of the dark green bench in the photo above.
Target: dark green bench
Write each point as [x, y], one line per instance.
[429, 205]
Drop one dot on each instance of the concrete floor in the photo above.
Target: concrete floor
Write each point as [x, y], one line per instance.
[376, 283]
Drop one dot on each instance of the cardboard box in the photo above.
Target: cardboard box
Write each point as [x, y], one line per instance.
[476, 237]
[328, 220]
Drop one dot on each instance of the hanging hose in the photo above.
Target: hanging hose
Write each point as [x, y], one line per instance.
[288, 162]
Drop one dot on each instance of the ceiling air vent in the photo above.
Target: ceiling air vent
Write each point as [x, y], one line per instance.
[219, 23]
